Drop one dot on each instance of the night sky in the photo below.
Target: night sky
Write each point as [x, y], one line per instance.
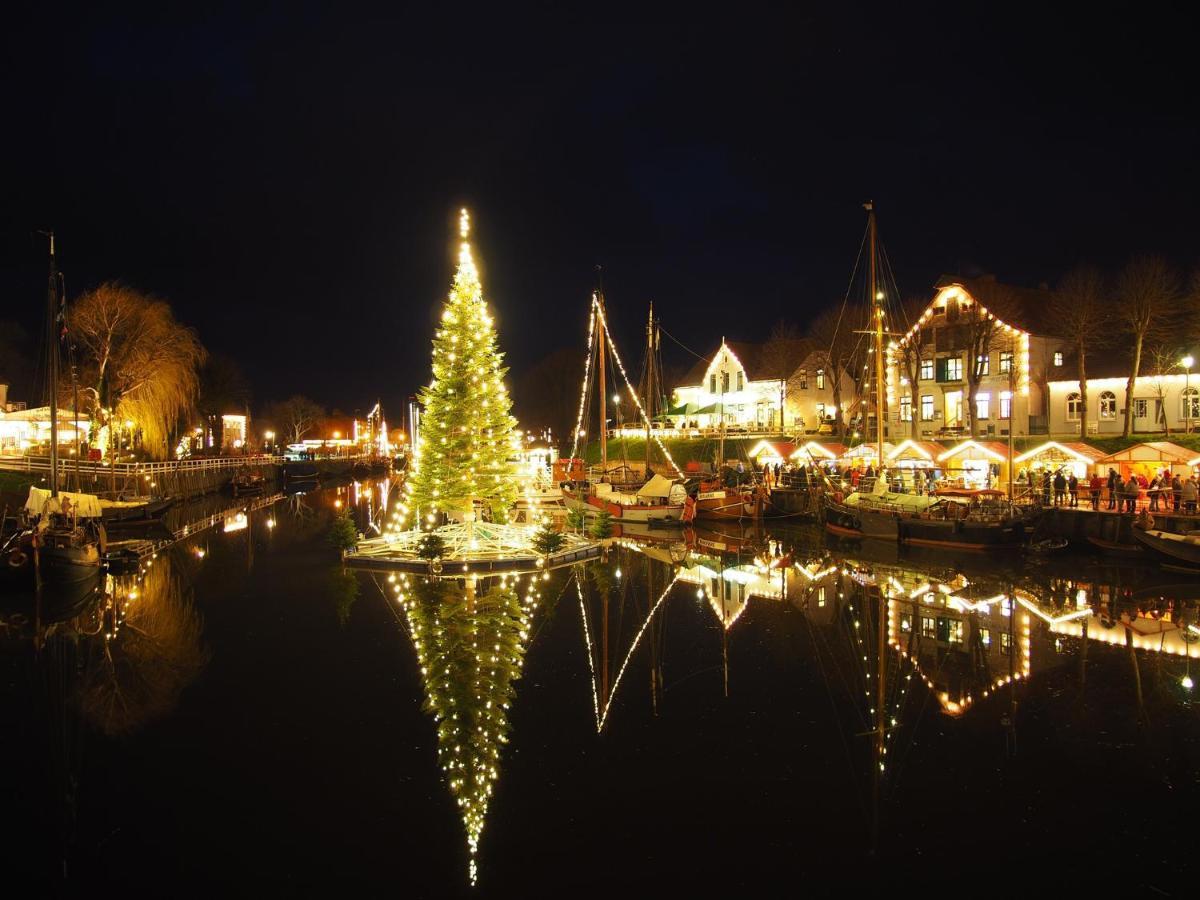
[289, 177]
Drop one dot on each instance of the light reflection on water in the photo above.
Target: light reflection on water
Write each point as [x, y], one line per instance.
[902, 645]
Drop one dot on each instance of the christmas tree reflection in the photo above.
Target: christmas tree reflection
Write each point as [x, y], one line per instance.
[470, 636]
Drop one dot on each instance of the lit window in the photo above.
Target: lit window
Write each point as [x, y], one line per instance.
[985, 637]
[820, 379]
[1074, 405]
[820, 412]
[927, 370]
[983, 364]
[928, 627]
[982, 405]
[906, 623]
[906, 409]
[1006, 359]
[1005, 405]
[725, 382]
[1005, 643]
[1190, 404]
[954, 368]
[804, 379]
[1141, 408]
[927, 408]
[741, 382]
[712, 383]
[1108, 405]
[821, 596]
[1058, 359]
[955, 635]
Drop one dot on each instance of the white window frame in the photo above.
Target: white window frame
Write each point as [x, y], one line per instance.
[1074, 401]
[1107, 404]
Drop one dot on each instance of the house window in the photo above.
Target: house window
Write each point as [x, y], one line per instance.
[724, 382]
[1141, 408]
[950, 369]
[982, 405]
[1006, 358]
[983, 364]
[1108, 405]
[1005, 643]
[804, 379]
[820, 379]
[821, 596]
[955, 635]
[741, 381]
[820, 412]
[712, 383]
[1005, 405]
[985, 637]
[1058, 359]
[906, 409]
[928, 627]
[1073, 407]
[927, 370]
[927, 408]
[906, 623]
[1190, 404]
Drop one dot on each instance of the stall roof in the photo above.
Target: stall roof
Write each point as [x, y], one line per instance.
[996, 450]
[909, 449]
[782, 449]
[864, 450]
[819, 449]
[1073, 449]
[1152, 451]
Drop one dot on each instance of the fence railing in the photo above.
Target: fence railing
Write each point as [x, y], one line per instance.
[68, 466]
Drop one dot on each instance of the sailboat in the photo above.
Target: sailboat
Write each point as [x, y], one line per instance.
[881, 514]
[68, 537]
[659, 498]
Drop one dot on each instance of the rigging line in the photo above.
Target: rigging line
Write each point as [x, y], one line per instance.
[849, 288]
[681, 343]
[587, 636]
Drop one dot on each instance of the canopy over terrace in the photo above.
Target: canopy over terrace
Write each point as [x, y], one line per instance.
[864, 454]
[772, 452]
[1149, 458]
[978, 463]
[912, 454]
[818, 451]
[1074, 456]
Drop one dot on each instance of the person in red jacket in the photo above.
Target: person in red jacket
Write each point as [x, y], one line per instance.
[1095, 486]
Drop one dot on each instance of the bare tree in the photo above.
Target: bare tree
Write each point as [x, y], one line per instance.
[138, 362]
[782, 354]
[1147, 293]
[296, 416]
[1161, 360]
[835, 339]
[908, 355]
[980, 325]
[1080, 313]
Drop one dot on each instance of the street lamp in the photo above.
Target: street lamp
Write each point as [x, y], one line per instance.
[1187, 362]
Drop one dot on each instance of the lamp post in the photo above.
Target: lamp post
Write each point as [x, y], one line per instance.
[1187, 362]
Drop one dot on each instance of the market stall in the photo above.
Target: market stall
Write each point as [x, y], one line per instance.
[1070, 456]
[976, 464]
[1148, 459]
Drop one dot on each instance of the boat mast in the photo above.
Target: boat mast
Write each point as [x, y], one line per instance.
[52, 354]
[881, 623]
[649, 381]
[602, 347]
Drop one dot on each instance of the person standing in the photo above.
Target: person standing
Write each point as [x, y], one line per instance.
[1046, 488]
[1176, 493]
[1095, 486]
[1189, 492]
[1152, 491]
[1060, 488]
[1132, 489]
[1114, 482]
[1073, 489]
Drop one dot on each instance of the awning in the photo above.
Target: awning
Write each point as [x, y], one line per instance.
[86, 506]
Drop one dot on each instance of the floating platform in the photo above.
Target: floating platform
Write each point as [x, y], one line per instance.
[478, 548]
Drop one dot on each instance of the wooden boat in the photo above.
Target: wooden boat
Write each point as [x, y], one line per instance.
[716, 502]
[247, 482]
[129, 511]
[301, 472]
[1116, 548]
[1049, 546]
[1168, 547]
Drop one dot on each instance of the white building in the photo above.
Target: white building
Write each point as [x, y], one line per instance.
[743, 386]
[1013, 371]
[1160, 402]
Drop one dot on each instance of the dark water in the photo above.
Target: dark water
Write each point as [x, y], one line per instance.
[259, 721]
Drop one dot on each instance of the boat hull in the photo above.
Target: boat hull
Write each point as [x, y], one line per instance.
[1175, 549]
[959, 534]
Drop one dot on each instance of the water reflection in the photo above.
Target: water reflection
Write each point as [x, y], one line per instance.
[470, 636]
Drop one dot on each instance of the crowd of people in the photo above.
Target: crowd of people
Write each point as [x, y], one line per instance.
[1162, 492]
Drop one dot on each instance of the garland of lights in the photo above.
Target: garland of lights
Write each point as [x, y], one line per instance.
[587, 368]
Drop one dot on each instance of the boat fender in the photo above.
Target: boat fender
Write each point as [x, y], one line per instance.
[16, 559]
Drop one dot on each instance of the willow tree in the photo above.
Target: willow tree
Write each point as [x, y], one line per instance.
[1147, 294]
[466, 427]
[139, 363]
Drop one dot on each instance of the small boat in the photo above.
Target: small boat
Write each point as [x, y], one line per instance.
[247, 481]
[1116, 548]
[146, 510]
[297, 473]
[1169, 547]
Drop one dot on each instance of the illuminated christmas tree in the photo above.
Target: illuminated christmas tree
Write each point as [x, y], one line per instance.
[466, 427]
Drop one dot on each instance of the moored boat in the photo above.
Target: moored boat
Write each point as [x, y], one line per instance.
[1169, 547]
